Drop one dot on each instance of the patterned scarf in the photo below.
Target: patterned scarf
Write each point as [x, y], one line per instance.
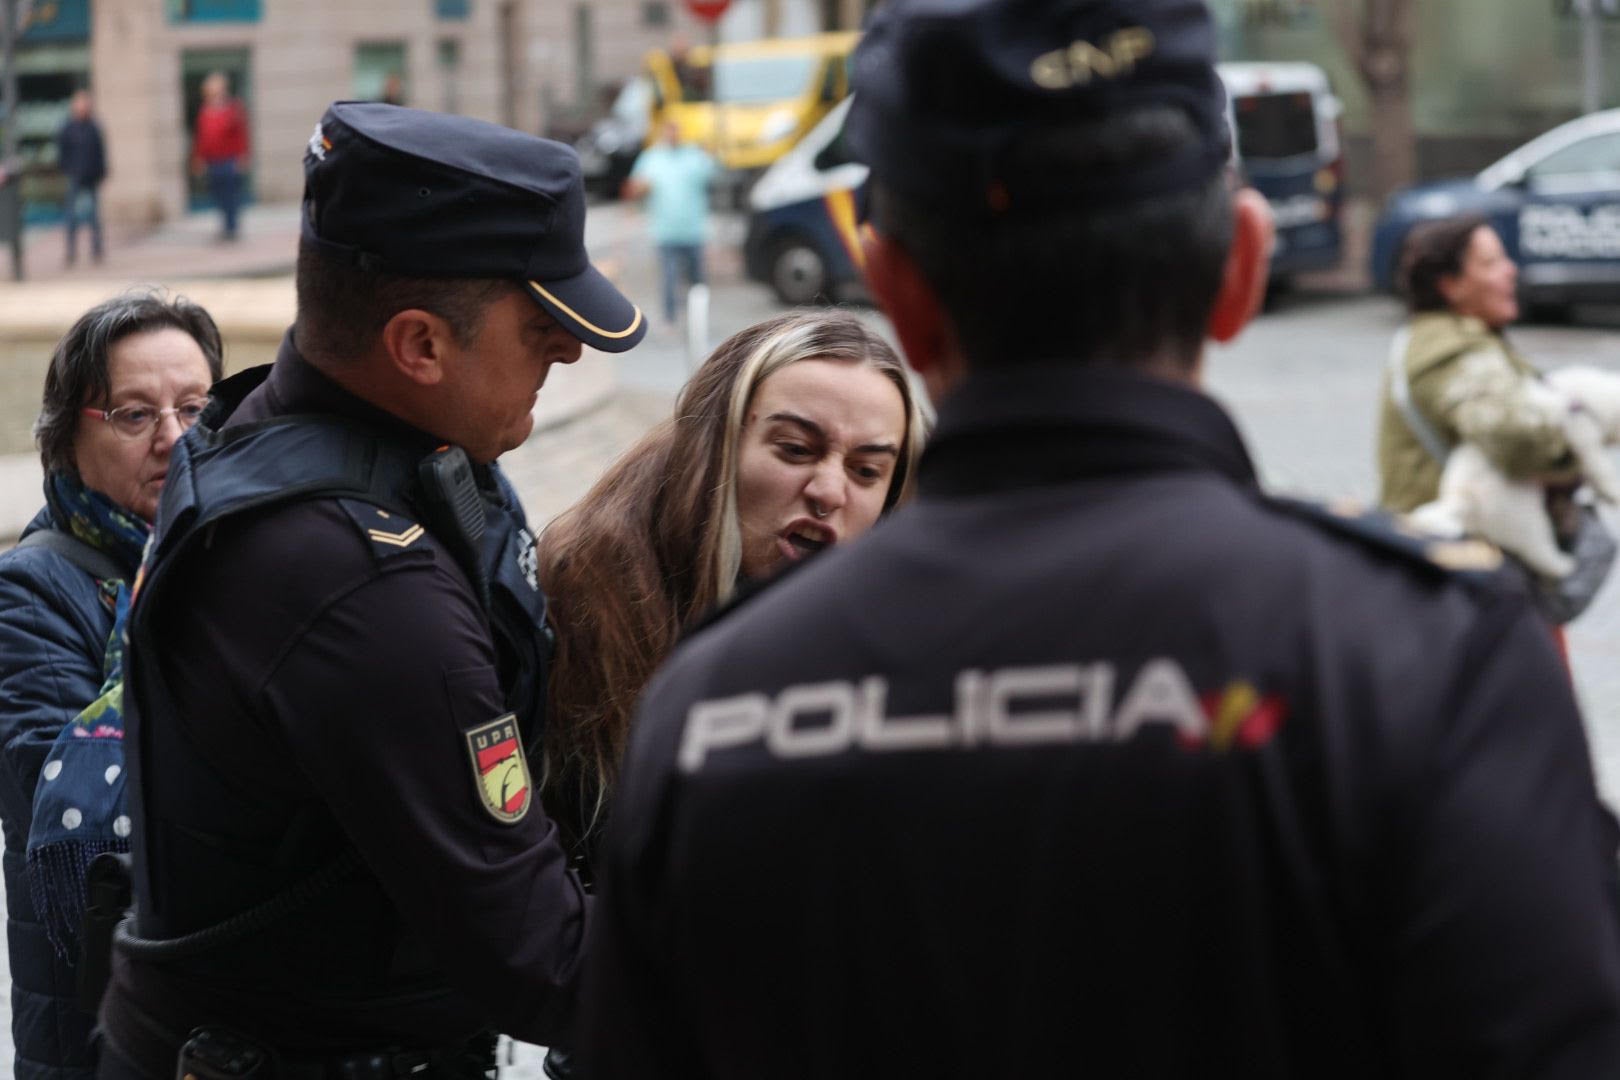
[97, 520]
[79, 802]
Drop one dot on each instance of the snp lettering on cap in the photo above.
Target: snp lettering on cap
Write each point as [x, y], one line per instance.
[1082, 61]
[1007, 707]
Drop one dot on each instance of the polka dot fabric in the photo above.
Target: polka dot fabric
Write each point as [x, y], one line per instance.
[79, 802]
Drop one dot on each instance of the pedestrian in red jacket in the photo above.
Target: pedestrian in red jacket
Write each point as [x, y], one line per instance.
[219, 148]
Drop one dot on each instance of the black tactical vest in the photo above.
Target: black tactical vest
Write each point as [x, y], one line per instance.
[215, 474]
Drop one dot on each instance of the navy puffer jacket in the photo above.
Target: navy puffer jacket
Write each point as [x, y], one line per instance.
[53, 634]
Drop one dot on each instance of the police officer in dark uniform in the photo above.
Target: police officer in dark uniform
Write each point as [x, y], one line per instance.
[338, 646]
[1095, 759]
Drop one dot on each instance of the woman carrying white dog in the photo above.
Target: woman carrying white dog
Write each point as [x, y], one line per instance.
[1463, 378]
[1454, 383]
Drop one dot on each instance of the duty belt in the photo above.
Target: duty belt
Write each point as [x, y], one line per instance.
[222, 1053]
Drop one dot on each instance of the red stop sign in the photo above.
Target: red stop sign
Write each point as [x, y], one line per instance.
[708, 10]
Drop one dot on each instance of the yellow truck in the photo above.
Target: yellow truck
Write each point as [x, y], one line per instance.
[748, 103]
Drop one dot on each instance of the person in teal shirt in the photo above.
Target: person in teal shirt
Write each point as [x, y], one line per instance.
[674, 177]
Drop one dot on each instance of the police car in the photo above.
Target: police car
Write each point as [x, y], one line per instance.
[1555, 201]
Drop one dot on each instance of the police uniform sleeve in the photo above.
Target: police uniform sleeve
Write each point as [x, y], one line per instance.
[1506, 932]
[389, 698]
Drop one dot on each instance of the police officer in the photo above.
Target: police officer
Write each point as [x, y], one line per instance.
[338, 644]
[1094, 758]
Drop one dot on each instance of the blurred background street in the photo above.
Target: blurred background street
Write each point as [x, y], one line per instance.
[1357, 119]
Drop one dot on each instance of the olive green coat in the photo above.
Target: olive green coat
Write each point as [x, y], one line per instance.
[1469, 383]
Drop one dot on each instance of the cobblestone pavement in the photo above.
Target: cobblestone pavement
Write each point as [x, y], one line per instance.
[553, 469]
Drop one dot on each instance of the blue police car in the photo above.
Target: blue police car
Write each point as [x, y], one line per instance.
[1555, 201]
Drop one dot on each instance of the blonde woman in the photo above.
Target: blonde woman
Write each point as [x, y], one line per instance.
[796, 434]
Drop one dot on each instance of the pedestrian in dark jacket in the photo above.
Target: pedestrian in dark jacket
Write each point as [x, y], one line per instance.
[81, 154]
[123, 384]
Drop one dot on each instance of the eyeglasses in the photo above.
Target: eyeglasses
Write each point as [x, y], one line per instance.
[138, 421]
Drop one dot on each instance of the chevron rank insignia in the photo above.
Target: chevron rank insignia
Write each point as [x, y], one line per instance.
[388, 531]
[500, 769]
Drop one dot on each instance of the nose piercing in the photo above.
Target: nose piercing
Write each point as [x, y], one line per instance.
[815, 509]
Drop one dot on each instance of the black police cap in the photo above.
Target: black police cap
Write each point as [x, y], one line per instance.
[942, 87]
[422, 194]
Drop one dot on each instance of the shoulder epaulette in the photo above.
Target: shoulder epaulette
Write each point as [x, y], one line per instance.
[1469, 559]
[387, 531]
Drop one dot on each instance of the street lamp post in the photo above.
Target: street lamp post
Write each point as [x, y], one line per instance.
[1591, 55]
[11, 21]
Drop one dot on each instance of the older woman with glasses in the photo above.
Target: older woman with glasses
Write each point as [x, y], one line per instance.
[123, 385]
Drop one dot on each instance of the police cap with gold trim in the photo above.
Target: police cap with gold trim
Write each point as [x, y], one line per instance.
[943, 86]
[421, 194]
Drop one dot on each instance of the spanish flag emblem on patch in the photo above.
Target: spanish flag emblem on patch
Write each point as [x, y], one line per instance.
[500, 769]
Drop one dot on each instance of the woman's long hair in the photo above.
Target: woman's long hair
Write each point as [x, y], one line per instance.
[656, 543]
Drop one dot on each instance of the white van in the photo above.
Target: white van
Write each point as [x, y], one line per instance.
[1289, 147]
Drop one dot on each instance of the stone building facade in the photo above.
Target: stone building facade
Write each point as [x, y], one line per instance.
[544, 66]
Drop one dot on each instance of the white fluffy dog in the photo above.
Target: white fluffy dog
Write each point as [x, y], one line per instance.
[1477, 500]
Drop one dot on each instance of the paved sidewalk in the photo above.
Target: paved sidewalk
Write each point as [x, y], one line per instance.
[185, 248]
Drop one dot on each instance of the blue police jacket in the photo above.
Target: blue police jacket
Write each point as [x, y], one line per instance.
[1093, 758]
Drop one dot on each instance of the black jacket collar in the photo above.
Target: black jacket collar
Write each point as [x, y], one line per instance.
[292, 386]
[1050, 424]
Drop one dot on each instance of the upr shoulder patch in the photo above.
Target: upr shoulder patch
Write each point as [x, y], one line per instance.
[500, 770]
[387, 531]
[1472, 560]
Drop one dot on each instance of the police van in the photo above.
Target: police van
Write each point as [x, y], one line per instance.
[1555, 201]
[803, 240]
[802, 232]
[1289, 148]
